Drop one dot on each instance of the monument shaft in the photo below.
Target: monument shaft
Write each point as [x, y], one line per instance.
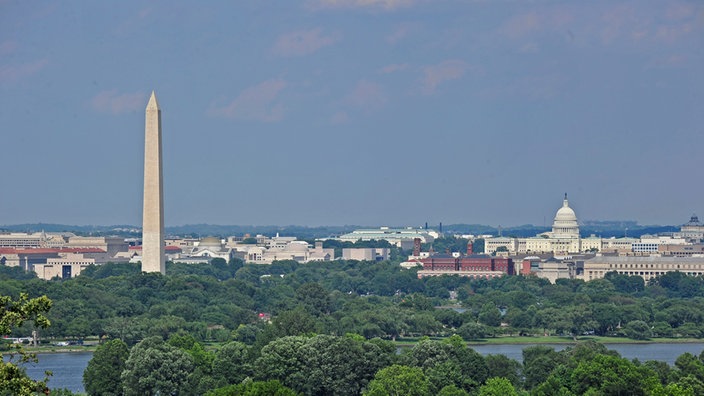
[153, 213]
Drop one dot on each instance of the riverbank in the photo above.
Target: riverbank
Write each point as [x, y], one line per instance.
[411, 341]
[53, 349]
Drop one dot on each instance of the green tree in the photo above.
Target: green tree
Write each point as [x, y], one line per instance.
[688, 364]
[254, 388]
[587, 350]
[452, 390]
[490, 315]
[624, 283]
[398, 380]
[447, 362]
[322, 364]
[294, 322]
[502, 366]
[102, 375]
[610, 375]
[127, 329]
[231, 364]
[13, 313]
[472, 331]
[314, 297]
[606, 316]
[155, 367]
[497, 386]
[280, 360]
[557, 384]
[538, 362]
[444, 374]
[637, 330]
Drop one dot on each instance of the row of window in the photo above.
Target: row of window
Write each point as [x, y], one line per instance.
[659, 266]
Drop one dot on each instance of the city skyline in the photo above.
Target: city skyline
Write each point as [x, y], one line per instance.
[354, 112]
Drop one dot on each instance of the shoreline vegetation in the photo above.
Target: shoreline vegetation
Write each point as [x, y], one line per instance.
[409, 342]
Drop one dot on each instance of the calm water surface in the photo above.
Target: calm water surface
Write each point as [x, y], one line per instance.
[68, 367]
[667, 353]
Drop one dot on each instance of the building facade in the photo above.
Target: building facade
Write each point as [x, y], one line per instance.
[647, 267]
[475, 266]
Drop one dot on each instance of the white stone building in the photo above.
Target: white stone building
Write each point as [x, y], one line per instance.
[564, 237]
[366, 254]
[692, 231]
[284, 248]
[401, 237]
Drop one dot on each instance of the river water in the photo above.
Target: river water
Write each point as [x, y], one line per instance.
[667, 353]
[68, 368]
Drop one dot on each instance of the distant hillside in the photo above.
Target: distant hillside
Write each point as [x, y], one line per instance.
[192, 230]
[301, 232]
[76, 229]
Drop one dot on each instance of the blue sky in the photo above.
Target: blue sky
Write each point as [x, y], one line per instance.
[374, 112]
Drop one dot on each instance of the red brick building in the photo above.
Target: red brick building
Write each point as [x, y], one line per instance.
[473, 265]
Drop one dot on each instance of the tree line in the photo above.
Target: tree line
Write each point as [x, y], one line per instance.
[232, 301]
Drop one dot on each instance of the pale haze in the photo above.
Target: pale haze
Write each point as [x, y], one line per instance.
[368, 112]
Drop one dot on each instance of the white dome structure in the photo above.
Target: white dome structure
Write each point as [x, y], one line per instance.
[565, 224]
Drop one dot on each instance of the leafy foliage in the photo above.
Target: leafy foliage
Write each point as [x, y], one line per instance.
[155, 367]
[14, 313]
[102, 375]
[324, 327]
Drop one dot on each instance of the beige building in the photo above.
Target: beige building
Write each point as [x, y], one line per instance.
[618, 245]
[34, 240]
[205, 250]
[646, 267]
[551, 267]
[26, 258]
[553, 270]
[692, 231]
[366, 254]
[55, 262]
[110, 245]
[682, 250]
[285, 248]
[21, 240]
[64, 267]
[401, 237]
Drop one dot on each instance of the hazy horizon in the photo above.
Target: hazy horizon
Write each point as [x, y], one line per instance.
[430, 226]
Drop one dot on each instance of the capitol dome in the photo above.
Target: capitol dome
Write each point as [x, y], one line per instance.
[565, 224]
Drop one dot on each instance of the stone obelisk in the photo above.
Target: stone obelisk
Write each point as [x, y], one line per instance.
[153, 214]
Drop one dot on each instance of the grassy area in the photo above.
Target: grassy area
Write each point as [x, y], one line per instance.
[54, 349]
[407, 342]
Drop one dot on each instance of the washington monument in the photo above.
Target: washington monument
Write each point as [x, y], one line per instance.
[153, 214]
